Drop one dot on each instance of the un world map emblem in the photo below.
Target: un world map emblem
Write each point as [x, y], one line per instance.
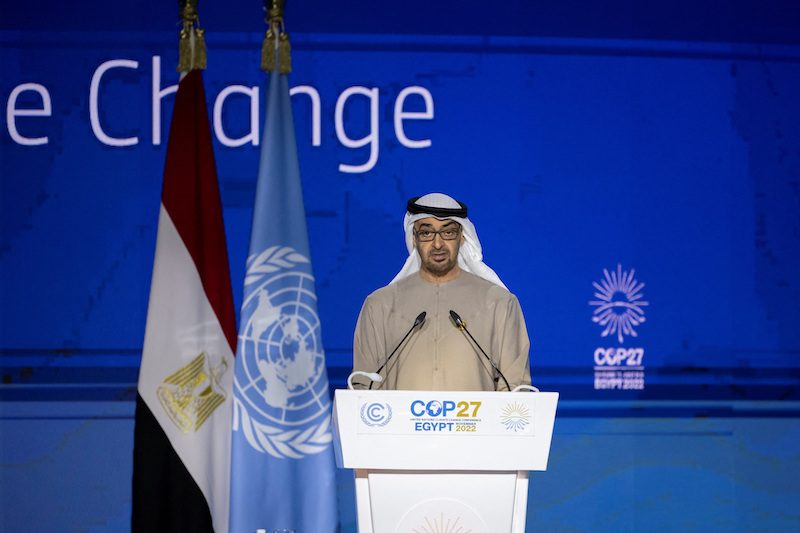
[281, 402]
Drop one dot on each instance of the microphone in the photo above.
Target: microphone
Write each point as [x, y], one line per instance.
[371, 375]
[463, 327]
[417, 322]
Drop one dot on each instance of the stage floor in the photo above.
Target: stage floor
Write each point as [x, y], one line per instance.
[67, 467]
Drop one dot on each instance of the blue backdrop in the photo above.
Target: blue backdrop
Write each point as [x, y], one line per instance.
[669, 152]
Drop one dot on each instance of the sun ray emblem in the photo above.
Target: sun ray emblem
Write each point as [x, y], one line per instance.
[515, 416]
[441, 524]
[619, 304]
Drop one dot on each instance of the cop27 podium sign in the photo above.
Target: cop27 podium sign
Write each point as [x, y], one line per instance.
[442, 461]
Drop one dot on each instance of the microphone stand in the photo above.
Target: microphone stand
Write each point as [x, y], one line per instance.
[417, 322]
[463, 327]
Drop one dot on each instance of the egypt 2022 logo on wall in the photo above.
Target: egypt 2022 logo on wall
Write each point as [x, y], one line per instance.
[281, 399]
[619, 310]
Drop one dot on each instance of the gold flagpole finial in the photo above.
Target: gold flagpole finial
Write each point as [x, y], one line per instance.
[274, 10]
[192, 44]
[276, 40]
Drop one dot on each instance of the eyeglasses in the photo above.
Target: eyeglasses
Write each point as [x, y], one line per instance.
[427, 235]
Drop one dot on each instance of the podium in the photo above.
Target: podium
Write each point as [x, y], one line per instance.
[429, 461]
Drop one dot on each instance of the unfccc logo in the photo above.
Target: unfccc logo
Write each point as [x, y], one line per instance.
[376, 414]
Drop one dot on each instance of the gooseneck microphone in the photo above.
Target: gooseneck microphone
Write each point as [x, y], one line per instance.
[372, 377]
[463, 327]
[417, 322]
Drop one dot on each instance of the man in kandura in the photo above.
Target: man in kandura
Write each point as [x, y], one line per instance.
[444, 272]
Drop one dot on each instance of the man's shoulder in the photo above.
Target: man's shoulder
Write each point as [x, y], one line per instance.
[388, 298]
[489, 289]
[488, 295]
[387, 293]
[382, 293]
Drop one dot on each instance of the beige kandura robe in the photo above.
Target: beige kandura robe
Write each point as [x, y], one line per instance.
[438, 355]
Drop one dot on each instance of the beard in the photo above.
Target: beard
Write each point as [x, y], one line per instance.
[439, 262]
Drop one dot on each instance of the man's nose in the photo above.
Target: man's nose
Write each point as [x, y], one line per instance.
[438, 240]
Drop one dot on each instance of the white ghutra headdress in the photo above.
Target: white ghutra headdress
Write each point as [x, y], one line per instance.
[443, 207]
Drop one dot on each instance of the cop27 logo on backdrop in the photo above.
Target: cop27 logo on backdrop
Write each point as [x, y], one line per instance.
[619, 310]
[619, 307]
[281, 391]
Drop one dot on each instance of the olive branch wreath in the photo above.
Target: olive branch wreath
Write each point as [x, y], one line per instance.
[280, 443]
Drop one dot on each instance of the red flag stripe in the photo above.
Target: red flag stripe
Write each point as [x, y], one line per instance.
[190, 180]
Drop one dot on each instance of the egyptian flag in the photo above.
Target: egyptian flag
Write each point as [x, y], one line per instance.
[181, 458]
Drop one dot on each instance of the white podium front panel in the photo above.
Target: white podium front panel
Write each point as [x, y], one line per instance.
[426, 430]
[404, 502]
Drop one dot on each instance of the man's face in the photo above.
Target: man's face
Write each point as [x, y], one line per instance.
[439, 256]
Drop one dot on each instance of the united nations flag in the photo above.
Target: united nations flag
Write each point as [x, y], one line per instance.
[282, 460]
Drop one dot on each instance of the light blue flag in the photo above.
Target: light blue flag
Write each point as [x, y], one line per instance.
[282, 466]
